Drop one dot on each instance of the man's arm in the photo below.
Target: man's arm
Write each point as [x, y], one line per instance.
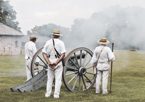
[61, 57]
[111, 55]
[47, 60]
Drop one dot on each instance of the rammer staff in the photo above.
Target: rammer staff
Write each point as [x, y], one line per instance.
[111, 66]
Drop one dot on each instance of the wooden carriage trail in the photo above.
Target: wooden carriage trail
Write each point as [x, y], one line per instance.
[33, 84]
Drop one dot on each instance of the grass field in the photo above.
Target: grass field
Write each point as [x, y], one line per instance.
[128, 82]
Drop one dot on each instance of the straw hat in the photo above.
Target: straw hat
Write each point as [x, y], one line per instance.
[56, 32]
[103, 41]
[32, 37]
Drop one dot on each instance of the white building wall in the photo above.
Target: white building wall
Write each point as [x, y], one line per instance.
[8, 45]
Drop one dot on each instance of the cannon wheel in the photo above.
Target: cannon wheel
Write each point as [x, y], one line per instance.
[42, 62]
[78, 73]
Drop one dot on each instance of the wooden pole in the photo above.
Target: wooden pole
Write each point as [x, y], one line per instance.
[111, 66]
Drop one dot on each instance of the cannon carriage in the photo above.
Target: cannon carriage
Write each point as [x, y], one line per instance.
[77, 72]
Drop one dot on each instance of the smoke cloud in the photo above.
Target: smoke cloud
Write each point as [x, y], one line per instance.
[125, 25]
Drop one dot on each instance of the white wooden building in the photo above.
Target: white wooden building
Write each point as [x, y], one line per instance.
[10, 41]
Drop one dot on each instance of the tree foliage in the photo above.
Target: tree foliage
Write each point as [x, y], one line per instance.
[46, 30]
[8, 15]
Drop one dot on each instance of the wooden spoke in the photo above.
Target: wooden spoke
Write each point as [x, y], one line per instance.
[70, 73]
[87, 62]
[75, 82]
[76, 59]
[84, 82]
[90, 73]
[72, 79]
[38, 70]
[89, 67]
[42, 65]
[74, 63]
[79, 83]
[88, 79]
[85, 59]
[42, 60]
[71, 68]
[80, 58]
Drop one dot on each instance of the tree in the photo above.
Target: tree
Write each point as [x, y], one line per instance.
[46, 30]
[8, 15]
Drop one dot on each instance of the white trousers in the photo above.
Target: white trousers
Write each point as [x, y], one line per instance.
[28, 70]
[57, 74]
[104, 76]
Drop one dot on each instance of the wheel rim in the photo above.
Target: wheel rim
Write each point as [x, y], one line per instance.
[78, 71]
[42, 62]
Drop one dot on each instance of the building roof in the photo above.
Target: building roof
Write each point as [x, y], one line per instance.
[5, 30]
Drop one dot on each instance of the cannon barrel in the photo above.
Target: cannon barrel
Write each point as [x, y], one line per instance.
[74, 59]
[78, 56]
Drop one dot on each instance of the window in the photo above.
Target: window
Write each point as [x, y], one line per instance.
[16, 43]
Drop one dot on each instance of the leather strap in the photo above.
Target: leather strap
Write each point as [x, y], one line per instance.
[100, 54]
[94, 68]
[52, 49]
[58, 55]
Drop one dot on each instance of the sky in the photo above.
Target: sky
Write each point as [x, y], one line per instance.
[31, 13]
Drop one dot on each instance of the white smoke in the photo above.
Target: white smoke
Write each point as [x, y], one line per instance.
[125, 25]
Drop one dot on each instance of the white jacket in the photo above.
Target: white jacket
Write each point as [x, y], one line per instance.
[30, 50]
[60, 47]
[105, 57]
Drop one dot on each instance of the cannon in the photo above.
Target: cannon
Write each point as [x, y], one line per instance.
[77, 72]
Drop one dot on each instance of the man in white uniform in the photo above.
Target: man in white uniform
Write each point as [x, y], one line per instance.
[30, 49]
[55, 67]
[102, 64]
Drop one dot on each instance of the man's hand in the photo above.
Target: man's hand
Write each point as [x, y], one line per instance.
[52, 65]
[36, 63]
[114, 53]
[47, 60]
[55, 63]
[95, 64]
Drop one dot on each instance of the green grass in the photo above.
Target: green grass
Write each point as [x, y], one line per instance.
[128, 82]
[12, 65]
